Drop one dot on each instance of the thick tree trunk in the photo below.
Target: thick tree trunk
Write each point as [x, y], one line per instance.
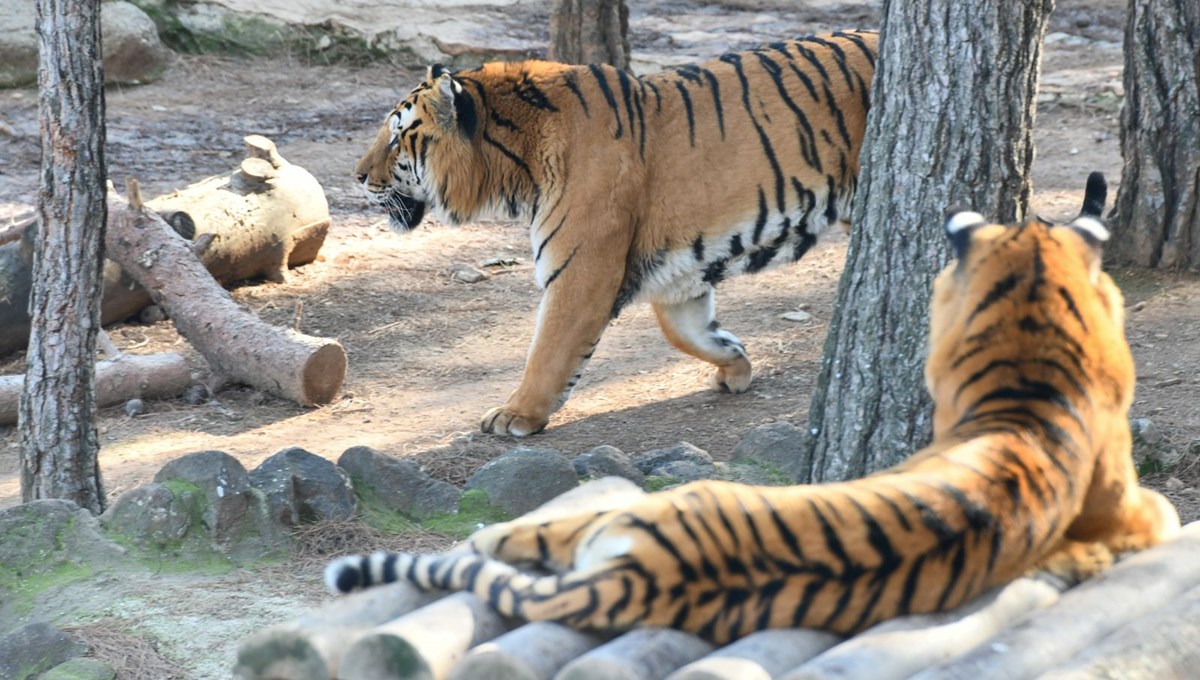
[59, 444]
[149, 376]
[1158, 204]
[268, 215]
[590, 32]
[239, 346]
[950, 123]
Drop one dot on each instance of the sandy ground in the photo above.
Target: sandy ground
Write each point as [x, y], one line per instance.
[429, 355]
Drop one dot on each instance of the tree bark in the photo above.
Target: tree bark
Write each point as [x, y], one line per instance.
[268, 215]
[59, 445]
[1158, 203]
[590, 32]
[239, 346]
[950, 123]
[131, 376]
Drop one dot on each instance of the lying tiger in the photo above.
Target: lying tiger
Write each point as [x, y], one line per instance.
[653, 188]
[1030, 468]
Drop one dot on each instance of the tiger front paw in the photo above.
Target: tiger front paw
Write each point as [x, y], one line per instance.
[504, 422]
[734, 377]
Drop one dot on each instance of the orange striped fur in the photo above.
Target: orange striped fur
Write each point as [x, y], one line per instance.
[1030, 468]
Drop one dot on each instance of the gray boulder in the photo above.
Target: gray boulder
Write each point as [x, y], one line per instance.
[524, 478]
[41, 536]
[80, 668]
[152, 515]
[303, 487]
[682, 471]
[781, 446]
[607, 461]
[651, 460]
[400, 485]
[234, 514]
[34, 648]
[131, 50]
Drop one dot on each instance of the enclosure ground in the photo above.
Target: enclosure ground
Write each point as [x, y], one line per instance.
[429, 355]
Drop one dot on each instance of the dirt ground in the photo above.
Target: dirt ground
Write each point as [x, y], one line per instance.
[429, 355]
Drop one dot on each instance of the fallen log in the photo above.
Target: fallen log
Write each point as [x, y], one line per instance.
[131, 376]
[763, 655]
[1084, 615]
[642, 654]
[266, 216]
[239, 346]
[535, 651]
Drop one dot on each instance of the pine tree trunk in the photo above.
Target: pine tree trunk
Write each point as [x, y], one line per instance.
[590, 32]
[950, 123]
[1158, 204]
[59, 444]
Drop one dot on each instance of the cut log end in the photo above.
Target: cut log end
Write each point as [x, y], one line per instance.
[324, 373]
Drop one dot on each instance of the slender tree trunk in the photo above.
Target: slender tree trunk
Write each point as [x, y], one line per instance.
[950, 123]
[59, 444]
[1158, 204]
[590, 32]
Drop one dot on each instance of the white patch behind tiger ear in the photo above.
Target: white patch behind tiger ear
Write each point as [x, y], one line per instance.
[963, 220]
[1091, 227]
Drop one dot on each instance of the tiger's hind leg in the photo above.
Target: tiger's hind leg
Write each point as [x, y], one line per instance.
[1075, 561]
[692, 328]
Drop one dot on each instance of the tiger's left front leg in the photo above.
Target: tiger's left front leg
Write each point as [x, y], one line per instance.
[581, 286]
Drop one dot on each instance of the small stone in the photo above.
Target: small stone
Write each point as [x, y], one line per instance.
[1139, 306]
[501, 261]
[399, 484]
[1174, 484]
[135, 407]
[465, 273]
[196, 394]
[151, 314]
[1145, 431]
[650, 460]
[524, 478]
[607, 461]
[799, 316]
[80, 668]
[324, 43]
[685, 471]
[781, 446]
[34, 648]
[303, 487]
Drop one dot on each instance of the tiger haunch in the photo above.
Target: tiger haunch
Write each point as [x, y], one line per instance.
[1030, 468]
[652, 188]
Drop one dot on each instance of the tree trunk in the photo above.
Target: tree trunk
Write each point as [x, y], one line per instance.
[1158, 204]
[59, 445]
[239, 346]
[590, 32]
[950, 123]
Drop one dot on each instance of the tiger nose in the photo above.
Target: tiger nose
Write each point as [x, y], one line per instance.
[361, 177]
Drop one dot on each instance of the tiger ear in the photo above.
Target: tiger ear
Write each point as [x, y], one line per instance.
[1088, 223]
[960, 223]
[460, 110]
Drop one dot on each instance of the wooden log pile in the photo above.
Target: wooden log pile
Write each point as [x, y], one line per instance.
[1139, 621]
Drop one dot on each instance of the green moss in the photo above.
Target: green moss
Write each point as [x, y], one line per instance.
[655, 483]
[474, 509]
[23, 587]
[757, 472]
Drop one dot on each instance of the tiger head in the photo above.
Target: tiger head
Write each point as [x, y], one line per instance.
[437, 119]
[1026, 294]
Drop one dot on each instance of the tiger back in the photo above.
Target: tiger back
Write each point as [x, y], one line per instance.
[652, 188]
[1030, 468]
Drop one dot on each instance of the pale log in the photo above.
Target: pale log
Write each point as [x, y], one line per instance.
[132, 376]
[535, 651]
[238, 345]
[642, 654]
[763, 655]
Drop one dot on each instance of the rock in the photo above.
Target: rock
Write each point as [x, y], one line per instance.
[31, 649]
[40, 537]
[607, 461]
[1174, 484]
[152, 314]
[648, 461]
[524, 478]
[196, 394]
[132, 52]
[799, 316]
[135, 407]
[685, 471]
[399, 484]
[1145, 431]
[234, 514]
[780, 446]
[152, 515]
[80, 668]
[303, 487]
[465, 273]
